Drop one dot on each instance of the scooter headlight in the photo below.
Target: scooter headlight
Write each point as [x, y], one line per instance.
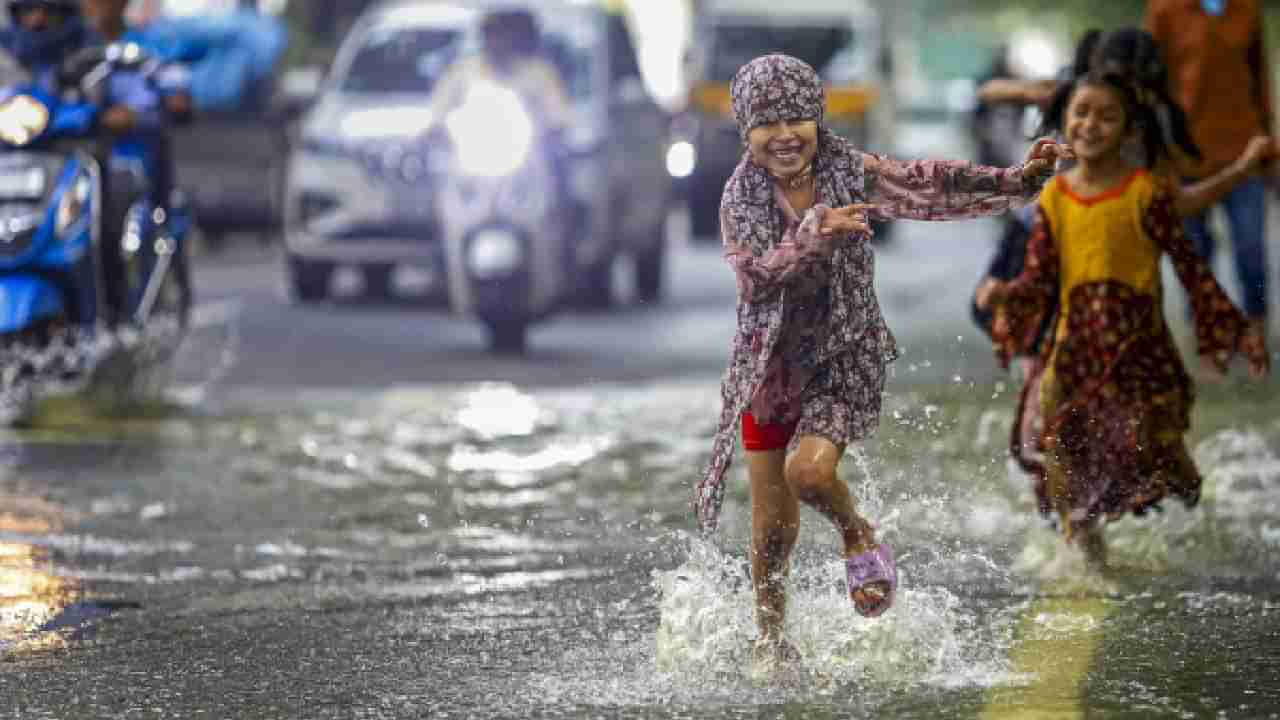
[71, 205]
[491, 131]
[22, 119]
[682, 159]
[494, 252]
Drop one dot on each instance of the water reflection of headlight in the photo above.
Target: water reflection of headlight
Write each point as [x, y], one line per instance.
[491, 131]
[682, 158]
[22, 119]
[494, 252]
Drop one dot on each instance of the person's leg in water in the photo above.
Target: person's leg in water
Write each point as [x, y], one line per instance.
[811, 475]
[1088, 535]
[775, 525]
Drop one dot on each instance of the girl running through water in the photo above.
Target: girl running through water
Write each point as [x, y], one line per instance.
[1114, 395]
[809, 356]
[1130, 52]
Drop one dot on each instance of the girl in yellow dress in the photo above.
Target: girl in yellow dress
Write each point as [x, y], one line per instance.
[1115, 396]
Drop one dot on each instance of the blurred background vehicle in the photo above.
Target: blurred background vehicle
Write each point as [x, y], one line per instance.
[843, 39]
[360, 182]
[230, 161]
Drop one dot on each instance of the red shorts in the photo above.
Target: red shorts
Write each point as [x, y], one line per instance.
[770, 436]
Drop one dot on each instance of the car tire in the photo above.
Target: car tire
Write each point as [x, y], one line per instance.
[650, 268]
[309, 280]
[377, 281]
[704, 212]
[507, 336]
[596, 289]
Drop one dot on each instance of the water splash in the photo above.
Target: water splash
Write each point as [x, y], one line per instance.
[110, 369]
[706, 627]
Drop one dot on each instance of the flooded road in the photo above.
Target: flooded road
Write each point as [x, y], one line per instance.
[333, 515]
[489, 551]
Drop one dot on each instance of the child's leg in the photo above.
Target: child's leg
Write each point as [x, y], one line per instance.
[1094, 545]
[775, 524]
[1055, 484]
[811, 475]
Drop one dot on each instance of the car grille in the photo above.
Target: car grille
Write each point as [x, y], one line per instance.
[403, 232]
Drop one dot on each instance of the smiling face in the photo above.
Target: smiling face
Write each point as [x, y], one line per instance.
[784, 148]
[1097, 122]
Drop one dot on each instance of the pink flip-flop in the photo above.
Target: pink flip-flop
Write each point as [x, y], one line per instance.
[873, 566]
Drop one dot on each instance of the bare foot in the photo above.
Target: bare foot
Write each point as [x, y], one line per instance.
[774, 651]
[868, 598]
[1094, 547]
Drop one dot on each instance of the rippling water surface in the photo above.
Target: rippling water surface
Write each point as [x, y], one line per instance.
[486, 551]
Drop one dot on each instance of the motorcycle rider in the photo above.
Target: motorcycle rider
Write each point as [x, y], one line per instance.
[512, 56]
[511, 43]
[42, 35]
[107, 24]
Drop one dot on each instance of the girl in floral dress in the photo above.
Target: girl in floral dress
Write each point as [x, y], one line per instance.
[809, 356]
[1114, 395]
[1132, 53]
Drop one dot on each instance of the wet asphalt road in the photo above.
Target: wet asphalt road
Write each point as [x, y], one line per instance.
[254, 337]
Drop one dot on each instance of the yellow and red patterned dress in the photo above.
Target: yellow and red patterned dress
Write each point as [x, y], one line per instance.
[1115, 397]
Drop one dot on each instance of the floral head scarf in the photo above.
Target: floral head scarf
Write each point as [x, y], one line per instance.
[766, 90]
[775, 87]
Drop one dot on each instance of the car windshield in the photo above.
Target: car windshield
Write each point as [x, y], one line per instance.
[737, 43]
[401, 60]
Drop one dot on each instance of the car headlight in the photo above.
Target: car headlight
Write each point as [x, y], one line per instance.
[22, 119]
[492, 133]
[71, 205]
[682, 158]
[494, 252]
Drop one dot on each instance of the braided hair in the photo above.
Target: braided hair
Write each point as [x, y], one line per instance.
[1128, 60]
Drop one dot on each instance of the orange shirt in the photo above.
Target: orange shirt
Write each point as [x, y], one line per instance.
[1218, 70]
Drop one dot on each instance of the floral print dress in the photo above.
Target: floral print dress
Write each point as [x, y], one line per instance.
[1114, 395]
[812, 345]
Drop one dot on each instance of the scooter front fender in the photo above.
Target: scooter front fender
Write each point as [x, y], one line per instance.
[26, 300]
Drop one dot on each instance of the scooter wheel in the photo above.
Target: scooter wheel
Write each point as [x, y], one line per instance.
[309, 280]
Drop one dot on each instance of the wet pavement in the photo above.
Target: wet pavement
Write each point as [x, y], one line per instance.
[333, 514]
[486, 551]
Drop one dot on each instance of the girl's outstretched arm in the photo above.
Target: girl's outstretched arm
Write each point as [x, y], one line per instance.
[1221, 329]
[800, 264]
[954, 189]
[1023, 303]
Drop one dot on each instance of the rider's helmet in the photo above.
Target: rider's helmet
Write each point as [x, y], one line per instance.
[61, 33]
[511, 31]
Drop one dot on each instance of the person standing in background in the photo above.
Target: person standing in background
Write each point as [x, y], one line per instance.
[1218, 72]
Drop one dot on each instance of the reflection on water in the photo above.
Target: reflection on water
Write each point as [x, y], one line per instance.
[537, 542]
[31, 594]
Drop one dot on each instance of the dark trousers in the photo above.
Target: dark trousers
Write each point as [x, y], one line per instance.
[1246, 209]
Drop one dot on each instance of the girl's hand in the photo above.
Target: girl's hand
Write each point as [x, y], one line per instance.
[990, 292]
[1254, 347]
[847, 220]
[1044, 156]
[1260, 150]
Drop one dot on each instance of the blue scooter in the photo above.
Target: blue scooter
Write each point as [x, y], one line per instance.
[55, 219]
